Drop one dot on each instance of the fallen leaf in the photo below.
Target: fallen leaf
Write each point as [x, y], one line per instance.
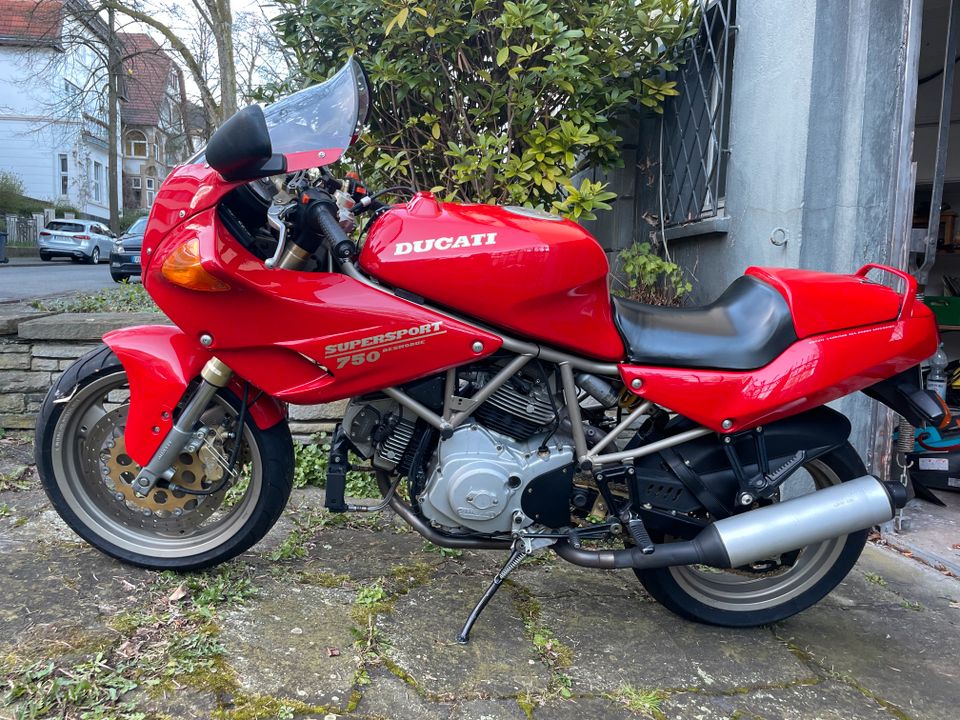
[179, 594]
[333, 652]
[955, 546]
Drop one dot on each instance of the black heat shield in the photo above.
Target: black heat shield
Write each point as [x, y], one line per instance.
[699, 474]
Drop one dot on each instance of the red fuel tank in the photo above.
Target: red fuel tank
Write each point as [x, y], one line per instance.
[533, 274]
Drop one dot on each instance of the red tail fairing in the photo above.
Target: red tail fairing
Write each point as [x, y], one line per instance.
[854, 335]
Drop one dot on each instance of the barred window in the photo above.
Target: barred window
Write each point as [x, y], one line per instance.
[696, 122]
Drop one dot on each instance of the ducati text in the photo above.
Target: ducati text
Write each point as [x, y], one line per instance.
[445, 243]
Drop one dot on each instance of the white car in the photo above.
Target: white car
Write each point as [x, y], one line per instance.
[86, 240]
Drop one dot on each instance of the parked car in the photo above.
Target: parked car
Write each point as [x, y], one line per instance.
[85, 240]
[125, 255]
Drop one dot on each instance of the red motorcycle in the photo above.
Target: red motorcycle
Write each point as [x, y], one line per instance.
[503, 398]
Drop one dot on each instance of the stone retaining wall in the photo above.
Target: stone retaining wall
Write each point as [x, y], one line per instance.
[35, 347]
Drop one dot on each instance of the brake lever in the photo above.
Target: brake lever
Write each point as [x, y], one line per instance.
[275, 220]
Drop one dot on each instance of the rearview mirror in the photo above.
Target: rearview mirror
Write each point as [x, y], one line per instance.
[241, 150]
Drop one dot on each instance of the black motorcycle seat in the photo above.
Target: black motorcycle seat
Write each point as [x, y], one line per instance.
[744, 329]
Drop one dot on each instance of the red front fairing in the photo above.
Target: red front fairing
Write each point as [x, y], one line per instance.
[853, 334]
[542, 279]
[307, 337]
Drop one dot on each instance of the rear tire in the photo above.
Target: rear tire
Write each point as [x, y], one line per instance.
[94, 258]
[739, 598]
[44, 257]
[76, 475]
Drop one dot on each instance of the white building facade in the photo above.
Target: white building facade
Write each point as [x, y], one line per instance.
[53, 106]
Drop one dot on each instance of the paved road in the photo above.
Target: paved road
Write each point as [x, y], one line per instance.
[28, 278]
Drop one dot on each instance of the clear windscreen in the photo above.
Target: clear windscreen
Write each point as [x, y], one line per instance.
[325, 117]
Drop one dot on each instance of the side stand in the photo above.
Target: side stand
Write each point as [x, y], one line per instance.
[516, 557]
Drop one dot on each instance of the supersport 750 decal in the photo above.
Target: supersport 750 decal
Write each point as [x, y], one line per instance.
[373, 346]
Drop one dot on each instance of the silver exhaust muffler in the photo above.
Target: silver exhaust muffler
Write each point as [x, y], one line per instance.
[764, 532]
[801, 521]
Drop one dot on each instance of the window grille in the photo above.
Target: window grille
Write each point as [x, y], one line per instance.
[696, 122]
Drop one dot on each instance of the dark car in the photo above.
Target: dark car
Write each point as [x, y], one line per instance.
[125, 256]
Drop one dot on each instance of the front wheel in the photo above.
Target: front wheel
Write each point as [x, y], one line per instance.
[119, 277]
[776, 588]
[94, 258]
[88, 476]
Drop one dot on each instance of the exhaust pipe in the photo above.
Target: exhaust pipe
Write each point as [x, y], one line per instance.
[765, 532]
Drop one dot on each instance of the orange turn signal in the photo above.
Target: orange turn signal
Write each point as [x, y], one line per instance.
[182, 267]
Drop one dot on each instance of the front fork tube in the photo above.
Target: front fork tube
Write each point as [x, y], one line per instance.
[215, 375]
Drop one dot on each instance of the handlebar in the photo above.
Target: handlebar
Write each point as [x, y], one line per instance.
[321, 219]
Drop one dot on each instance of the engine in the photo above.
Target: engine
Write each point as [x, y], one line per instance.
[483, 480]
[503, 469]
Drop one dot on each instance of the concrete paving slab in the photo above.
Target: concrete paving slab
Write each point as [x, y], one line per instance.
[931, 532]
[387, 696]
[582, 708]
[294, 642]
[826, 701]
[13, 314]
[869, 632]
[85, 326]
[488, 710]
[53, 594]
[626, 641]
[498, 661]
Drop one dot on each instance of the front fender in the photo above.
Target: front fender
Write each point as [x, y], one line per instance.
[160, 362]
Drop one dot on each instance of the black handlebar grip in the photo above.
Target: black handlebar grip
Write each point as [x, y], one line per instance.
[342, 246]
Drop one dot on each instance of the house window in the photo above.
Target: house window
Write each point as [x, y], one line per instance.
[149, 198]
[696, 122]
[135, 183]
[64, 175]
[135, 145]
[150, 184]
[98, 182]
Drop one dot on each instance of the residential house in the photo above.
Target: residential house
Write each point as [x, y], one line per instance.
[53, 102]
[155, 137]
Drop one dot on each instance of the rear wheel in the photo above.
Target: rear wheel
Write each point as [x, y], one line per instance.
[94, 258]
[88, 475]
[45, 257]
[774, 589]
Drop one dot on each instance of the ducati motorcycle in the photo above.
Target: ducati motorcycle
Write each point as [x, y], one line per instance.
[503, 398]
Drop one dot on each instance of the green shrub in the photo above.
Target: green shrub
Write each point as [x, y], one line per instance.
[494, 100]
[651, 278]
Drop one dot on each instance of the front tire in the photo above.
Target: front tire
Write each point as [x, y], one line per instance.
[746, 597]
[94, 258]
[87, 476]
[119, 277]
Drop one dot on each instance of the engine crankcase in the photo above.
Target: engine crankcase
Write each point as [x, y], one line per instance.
[480, 477]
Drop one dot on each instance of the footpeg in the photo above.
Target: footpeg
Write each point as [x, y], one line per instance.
[641, 537]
